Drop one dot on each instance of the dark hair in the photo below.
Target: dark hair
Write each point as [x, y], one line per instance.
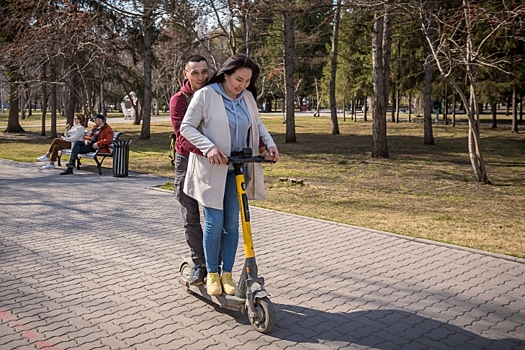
[231, 65]
[80, 117]
[195, 58]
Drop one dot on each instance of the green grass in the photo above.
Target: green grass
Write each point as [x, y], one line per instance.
[420, 191]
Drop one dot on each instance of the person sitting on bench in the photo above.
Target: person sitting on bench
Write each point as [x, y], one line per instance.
[100, 138]
[71, 135]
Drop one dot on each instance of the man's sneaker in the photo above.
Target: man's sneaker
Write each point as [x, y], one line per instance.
[213, 284]
[197, 275]
[227, 283]
[49, 166]
[44, 158]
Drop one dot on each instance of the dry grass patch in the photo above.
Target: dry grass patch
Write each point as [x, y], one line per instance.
[421, 191]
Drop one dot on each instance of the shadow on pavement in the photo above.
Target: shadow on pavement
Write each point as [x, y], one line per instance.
[368, 328]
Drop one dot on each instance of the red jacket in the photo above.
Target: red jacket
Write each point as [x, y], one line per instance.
[178, 106]
[105, 138]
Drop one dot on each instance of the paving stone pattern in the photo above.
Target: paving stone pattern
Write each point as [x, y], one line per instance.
[91, 262]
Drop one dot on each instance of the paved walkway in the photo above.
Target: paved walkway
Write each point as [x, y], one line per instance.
[90, 262]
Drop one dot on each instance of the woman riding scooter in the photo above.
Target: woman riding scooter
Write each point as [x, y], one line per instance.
[222, 119]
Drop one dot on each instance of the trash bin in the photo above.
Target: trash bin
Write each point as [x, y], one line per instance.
[121, 157]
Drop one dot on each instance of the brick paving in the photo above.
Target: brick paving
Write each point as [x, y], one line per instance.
[91, 262]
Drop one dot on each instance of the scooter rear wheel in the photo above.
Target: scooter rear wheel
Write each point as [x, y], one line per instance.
[265, 319]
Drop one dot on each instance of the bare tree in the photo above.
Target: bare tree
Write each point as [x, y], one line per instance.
[148, 20]
[459, 45]
[514, 125]
[225, 16]
[13, 124]
[70, 38]
[44, 98]
[428, 137]
[289, 46]
[381, 46]
[333, 69]
[53, 99]
[228, 14]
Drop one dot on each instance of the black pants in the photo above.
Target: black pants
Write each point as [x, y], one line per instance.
[77, 148]
[189, 208]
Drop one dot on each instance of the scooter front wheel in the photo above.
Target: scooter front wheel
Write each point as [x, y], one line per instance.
[265, 315]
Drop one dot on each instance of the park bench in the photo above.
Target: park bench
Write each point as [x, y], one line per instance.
[97, 155]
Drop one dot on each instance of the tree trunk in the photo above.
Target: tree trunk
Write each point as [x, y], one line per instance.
[86, 92]
[318, 98]
[23, 104]
[333, 70]
[398, 80]
[13, 123]
[428, 137]
[53, 101]
[44, 98]
[494, 108]
[454, 110]
[445, 105]
[387, 47]
[246, 22]
[344, 109]
[2, 101]
[365, 113]
[514, 128]
[398, 102]
[521, 107]
[380, 82]
[394, 105]
[31, 104]
[476, 157]
[148, 23]
[354, 111]
[409, 106]
[72, 101]
[102, 105]
[289, 47]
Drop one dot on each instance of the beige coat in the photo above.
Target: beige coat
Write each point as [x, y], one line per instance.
[205, 125]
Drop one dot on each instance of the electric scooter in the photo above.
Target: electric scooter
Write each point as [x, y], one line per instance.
[251, 297]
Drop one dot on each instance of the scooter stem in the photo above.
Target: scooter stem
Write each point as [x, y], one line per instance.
[249, 251]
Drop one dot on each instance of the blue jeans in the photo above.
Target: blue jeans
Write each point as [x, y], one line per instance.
[221, 230]
[79, 147]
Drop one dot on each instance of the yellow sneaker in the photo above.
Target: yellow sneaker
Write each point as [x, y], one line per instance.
[227, 283]
[213, 286]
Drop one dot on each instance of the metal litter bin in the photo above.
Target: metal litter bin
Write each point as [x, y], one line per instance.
[121, 157]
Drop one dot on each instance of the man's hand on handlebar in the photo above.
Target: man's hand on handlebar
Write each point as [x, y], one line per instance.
[271, 154]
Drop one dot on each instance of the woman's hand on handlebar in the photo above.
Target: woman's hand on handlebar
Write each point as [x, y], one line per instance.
[272, 153]
[216, 156]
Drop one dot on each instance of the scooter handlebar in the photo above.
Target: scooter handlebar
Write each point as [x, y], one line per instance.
[252, 159]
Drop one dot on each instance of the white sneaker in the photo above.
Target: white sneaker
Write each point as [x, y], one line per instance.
[49, 166]
[44, 158]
